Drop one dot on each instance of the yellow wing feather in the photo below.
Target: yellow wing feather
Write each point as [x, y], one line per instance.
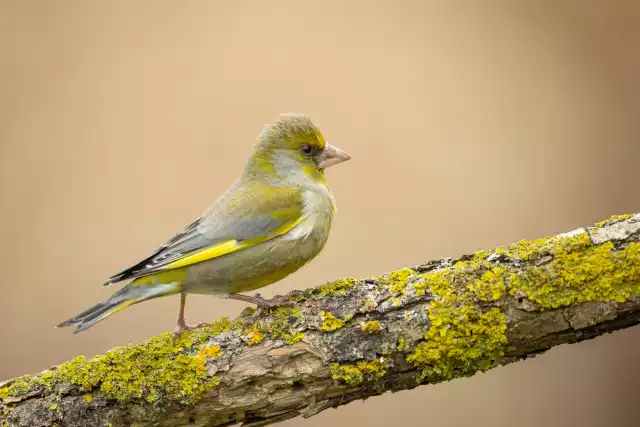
[228, 247]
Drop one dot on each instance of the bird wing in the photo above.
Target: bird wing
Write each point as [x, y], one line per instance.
[245, 216]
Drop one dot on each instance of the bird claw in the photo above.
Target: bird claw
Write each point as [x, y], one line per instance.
[182, 327]
[261, 304]
[253, 317]
[277, 301]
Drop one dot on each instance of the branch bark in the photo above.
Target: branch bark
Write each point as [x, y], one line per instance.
[353, 339]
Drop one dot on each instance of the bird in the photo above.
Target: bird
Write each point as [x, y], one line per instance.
[274, 219]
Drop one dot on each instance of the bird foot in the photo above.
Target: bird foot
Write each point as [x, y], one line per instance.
[253, 317]
[183, 326]
[277, 301]
[261, 304]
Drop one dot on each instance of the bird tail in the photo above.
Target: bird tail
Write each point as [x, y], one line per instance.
[129, 295]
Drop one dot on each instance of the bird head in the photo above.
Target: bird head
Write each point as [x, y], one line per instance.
[293, 148]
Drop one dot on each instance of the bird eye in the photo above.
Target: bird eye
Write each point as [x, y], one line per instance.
[306, 150]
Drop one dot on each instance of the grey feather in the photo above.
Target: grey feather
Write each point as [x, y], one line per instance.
[232, 217]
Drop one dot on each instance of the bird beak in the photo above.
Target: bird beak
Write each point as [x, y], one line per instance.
[330, 156]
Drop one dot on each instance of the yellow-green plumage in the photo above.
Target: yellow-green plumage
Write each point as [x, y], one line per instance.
[274, 219]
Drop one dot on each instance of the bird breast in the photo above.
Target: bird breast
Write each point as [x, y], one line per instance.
[317, 212]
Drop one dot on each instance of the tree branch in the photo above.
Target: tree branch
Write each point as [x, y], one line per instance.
[353, 339]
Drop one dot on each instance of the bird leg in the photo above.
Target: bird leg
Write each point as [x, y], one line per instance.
[182, 324]
[261, 303]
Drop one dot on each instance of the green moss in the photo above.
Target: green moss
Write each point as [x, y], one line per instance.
[53, 406]
[4, 392]
[491, 286]
[330, 322]
[361, 371]
[156, 368]
[372, 327]
[613, 219]
[280, 324]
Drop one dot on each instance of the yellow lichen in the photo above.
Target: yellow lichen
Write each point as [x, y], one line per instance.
[612, 219]
[462, 338]
[373, 370]
[280, 324]
[298, 336]
[531, 250]
[53, 406]
[575, 275]
[255, 337]
[347, 373]
[22, 385]
[397, 280]
[209, 351]
[561, 271]
[402, 345]
[336, 287]
[359, 372]
[199, 335]
[369, 304]
[45, 378]
[156, 368]
[524, 249]
[88, 397]
[330, 322]
[372, 327]
[490, 286]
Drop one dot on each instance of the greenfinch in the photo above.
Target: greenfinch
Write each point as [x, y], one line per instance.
[273, 220]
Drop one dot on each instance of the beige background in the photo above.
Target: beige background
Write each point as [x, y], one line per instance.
[471, 125]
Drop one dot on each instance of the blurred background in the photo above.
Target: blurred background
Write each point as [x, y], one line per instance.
[470, 125]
